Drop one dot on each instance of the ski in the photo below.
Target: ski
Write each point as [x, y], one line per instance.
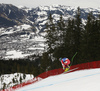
[70, 70]
[67, 69]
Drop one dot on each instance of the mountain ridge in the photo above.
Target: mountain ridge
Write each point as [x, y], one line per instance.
[27, 37]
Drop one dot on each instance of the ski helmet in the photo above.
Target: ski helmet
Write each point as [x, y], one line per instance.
[60, 59]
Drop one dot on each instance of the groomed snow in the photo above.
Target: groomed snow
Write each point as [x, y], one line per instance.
[84, 80]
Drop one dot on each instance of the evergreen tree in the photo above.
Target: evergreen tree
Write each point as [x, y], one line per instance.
[51, 41]
[20, 79]
[94, 40]
[24, 76]
[69, 39]
[61, 30]
[44, 63]
[78, 29]
[4, 85]
[90, 43]
[85, 43]
[50, 36]
[77, 35]
[13, 80]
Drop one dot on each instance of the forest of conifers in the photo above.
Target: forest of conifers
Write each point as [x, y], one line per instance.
[63, 39]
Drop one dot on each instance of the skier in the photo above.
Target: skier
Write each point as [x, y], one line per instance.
[65, 63]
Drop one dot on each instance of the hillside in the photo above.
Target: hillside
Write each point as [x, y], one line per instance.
[24, 32]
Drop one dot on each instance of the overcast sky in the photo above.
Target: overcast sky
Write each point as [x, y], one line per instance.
[35, 3]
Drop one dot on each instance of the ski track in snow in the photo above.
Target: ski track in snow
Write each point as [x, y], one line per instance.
[46, 84]
[61, 82]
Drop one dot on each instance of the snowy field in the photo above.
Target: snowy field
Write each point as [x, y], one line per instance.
[84, 80]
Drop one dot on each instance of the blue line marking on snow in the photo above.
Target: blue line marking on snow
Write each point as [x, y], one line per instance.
[81, 77]
[60, 82]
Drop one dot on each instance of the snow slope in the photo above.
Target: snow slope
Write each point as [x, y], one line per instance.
[84, 80]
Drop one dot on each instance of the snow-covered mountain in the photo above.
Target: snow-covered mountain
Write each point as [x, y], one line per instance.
[22, 29]
[10, 15]
[40, 14]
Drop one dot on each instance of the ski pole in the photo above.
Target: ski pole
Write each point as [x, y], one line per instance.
[73, 58]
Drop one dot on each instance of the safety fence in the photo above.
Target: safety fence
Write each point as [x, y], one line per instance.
[83, 66]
